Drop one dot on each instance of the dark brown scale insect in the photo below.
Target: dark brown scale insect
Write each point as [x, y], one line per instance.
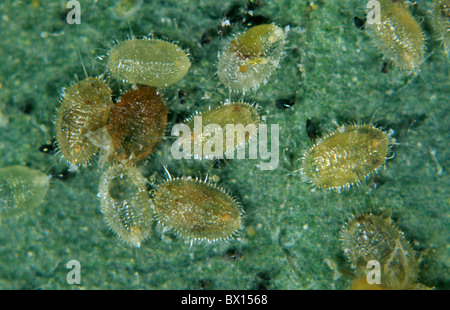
[137, 124]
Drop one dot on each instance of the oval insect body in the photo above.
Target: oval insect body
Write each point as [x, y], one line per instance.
[149, 62]
[369, 237]
[251, 58]
[125, 204]
[398, 35]
[21, 188]
[346, 156]
[136, 125]
[197, 210]
[441, 22]
[85, 108]
[241, 118]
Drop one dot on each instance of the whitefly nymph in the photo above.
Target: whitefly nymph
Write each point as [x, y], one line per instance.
[21, 189]
[223, 129]
[346, 156]
[148, 61]
[367, 237]
[85, 108]
[125, 203]
[197, 210]
[249, 60]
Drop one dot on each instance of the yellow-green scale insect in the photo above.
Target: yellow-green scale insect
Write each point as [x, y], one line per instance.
[21, 189]
[84, 109]
[441, 22]
[397, 34]
[197, 210]
[125, 203]
[149, 62]
[372, 238]
[251, 58]
[241, 119]
[346, 156]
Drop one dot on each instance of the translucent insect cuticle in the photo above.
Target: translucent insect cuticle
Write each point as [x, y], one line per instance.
[125, 204]
[21, 189]
[250, 59]
[370, 237]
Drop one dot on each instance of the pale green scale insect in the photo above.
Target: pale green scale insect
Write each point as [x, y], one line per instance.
[149, 62]
[125, 203]
[21, 188]
[250, 59]
[238, 122]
